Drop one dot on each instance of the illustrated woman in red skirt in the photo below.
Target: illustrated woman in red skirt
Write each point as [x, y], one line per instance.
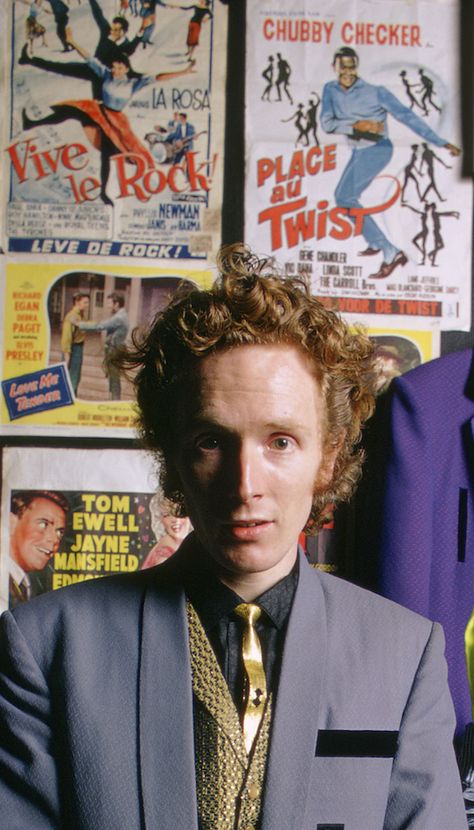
[104, 122]
[201, 14]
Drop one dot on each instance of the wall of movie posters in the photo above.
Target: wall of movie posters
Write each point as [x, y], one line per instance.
[112, 192]
[111, 198]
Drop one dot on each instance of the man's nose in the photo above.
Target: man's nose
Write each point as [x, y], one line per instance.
[249, 473]
[50, 536]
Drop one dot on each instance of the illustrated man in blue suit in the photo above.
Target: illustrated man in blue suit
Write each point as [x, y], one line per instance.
[359, 110]
[233, 686]
[183, 136]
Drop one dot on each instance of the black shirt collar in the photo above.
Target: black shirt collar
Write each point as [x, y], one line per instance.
[214, 601]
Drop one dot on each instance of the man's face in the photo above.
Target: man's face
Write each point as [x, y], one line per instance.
[112, 306]
[116, 32]
[347, 71]
[119, 70]
[249, 454]
[36, 534]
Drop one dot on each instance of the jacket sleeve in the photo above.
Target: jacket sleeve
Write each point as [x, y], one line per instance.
[99, 17]
[130, 46]
[29, 792]
[425, 787]
[109, 324]
[406, 116]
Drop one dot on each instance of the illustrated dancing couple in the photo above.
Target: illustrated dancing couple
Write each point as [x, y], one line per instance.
[104, 122]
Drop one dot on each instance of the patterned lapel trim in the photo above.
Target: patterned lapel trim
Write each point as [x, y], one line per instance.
[210, 687]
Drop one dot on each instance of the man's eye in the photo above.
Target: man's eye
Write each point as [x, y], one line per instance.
[280, 443]
[207, 442]
[42, 524]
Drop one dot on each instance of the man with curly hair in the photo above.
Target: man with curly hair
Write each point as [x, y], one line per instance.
[233, 686]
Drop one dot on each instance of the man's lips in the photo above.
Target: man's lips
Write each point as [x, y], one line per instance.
[247, 530]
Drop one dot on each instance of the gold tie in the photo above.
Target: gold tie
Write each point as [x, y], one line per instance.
[256, 693]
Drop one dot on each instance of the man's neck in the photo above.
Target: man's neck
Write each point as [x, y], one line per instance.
[252, 585]
[347, 88]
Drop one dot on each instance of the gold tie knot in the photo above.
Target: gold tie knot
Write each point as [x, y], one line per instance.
[248, 612]
[256, 688]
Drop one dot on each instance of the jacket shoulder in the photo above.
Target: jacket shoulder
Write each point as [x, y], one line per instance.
[370, 612]
[85, 609]
[453, 370]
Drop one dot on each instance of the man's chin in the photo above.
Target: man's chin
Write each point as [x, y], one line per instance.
[245, 559]
[39, 562]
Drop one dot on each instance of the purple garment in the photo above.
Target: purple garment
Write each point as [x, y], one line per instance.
[425, 533]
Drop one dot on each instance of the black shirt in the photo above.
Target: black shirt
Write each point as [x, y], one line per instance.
[214, 603]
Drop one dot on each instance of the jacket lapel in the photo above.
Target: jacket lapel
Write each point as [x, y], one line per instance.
[296, 712]
[166, 713]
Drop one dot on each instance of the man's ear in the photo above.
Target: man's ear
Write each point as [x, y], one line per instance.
[330, 453]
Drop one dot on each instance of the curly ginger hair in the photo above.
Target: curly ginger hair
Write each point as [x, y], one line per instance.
[251, 304]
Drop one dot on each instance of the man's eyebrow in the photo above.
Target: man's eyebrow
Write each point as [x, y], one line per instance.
[50, 522]
[286, 426]
[199, 420]
[206, 421]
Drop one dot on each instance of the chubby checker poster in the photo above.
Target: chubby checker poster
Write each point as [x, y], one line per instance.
[354, 154]
[113, 144]
[68, 516]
